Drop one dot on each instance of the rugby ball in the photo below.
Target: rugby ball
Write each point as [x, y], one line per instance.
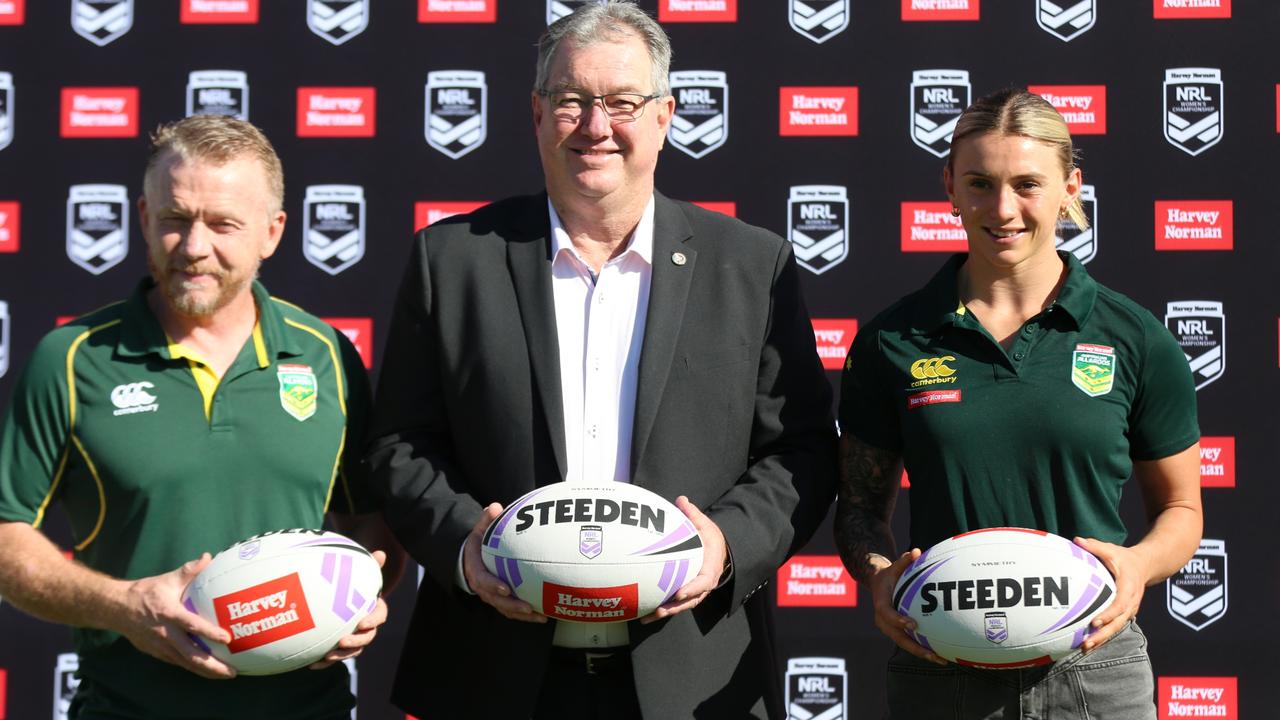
[608, 552]
[1004, 598]
[287, 597]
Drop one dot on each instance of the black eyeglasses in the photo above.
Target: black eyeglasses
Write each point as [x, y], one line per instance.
[620, 107]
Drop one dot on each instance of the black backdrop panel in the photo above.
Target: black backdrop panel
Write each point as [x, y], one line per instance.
[799, 94]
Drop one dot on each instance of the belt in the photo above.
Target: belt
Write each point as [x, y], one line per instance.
[592, 662]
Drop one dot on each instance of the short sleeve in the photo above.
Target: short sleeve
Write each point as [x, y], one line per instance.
[34, 435]
[866, 410]
[1162, 421]
[354, 495]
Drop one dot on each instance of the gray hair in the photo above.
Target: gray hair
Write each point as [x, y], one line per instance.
[218, 139]
[605, 21]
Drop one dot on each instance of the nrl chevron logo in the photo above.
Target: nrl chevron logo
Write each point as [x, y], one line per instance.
[1066, 19]
[701, 120]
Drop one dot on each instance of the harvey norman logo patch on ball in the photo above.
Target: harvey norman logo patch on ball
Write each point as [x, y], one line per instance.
[817, 688]
[1066, 19]
[818, 20]
[1081, 242]
[337, 21]
[333, 226]
[1193, 108]
[218, 92]
[818, 226]
[456, 111]
[1200, 327]
[97, 226]
[1093, 369]
[937, 99]
[262, 614]
[101, 21]
[298, 390]
[600, 604]
[701, 120]
[1197, 594]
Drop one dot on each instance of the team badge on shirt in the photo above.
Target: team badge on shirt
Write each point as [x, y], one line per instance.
[297, 390]
[1093, 369]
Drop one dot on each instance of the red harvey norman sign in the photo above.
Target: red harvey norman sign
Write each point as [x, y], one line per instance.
[99, 112]
[816, 581]
[219, 12]
[1084, 107]
[1194, 225]
[457, 11]
[1210, 697]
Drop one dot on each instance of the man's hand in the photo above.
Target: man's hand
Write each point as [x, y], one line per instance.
[365, 631]
[893, 625]
[156, 622]
[487, 585]
[714, 552]
[1130, 570]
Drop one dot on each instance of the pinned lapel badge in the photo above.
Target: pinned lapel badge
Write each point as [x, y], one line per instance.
[678, 258]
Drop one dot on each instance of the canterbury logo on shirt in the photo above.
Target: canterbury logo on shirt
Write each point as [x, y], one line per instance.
[932, 371]
[131, 398]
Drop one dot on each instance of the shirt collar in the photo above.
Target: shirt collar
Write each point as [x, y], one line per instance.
[940, 299]
[141, 333]
[640, 243]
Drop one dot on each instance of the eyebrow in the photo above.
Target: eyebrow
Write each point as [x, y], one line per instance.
[569, 88]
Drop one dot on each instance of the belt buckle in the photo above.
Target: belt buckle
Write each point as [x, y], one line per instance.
[595, 661]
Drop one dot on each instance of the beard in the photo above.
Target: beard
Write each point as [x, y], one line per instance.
[198, 302]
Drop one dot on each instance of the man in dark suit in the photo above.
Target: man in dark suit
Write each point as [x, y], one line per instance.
[600, 332]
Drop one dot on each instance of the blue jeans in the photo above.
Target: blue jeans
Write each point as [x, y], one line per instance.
[1114, 682]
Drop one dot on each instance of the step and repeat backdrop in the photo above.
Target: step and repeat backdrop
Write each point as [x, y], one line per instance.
[826, 121]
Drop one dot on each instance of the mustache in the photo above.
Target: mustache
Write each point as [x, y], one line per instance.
[195, 270]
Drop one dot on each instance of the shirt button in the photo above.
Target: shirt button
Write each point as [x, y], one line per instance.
[1017, 356]
[1029, 329]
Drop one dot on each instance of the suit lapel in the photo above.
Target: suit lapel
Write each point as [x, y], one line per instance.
[528, 259]
[668, 291]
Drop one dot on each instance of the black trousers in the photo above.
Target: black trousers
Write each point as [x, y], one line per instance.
[587, 685]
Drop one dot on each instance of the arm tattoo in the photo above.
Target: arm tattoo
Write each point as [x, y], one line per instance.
[869, 479]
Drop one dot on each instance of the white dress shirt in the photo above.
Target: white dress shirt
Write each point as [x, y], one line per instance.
[600, 321]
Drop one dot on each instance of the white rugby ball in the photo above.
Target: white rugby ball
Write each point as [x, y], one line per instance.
[1004, 598]
[287, 597]
[593, 553]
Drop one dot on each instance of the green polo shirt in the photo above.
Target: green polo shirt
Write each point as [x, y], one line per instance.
[108, 423]
[1042, 435]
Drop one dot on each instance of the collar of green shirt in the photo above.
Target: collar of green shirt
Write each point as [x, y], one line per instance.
[141, 333]
[937, 305]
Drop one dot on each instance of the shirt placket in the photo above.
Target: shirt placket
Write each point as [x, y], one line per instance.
[600, 378]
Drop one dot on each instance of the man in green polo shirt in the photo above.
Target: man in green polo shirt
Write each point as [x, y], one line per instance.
[187, 417]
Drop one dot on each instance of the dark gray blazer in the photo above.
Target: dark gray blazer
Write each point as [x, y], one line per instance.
[732, 409]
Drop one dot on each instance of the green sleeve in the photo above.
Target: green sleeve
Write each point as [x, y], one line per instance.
[34, 434]
[1162, 421]
[353, 494]
[866, 410]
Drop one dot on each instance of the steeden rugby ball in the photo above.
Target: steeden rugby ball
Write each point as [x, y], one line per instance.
[287, 597]
[608, 552]
[1004, 597]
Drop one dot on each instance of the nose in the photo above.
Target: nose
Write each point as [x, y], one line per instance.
[197, 241]
[1007, 204]
[595, 122]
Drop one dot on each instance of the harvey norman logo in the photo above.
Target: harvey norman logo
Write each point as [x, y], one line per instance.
[605, 604]
[816, 581]
[336, 111]
[1198, 697]
[1218, 461]
[928, 10]
[219, 12]
[832, 337]
[99, 112]
[12, 12]
[818, 111]
[431, 212]
[698, 11]
[262, 614]
[10, 215]
[930, 227]
[1084, 107]
[1194, 225]
[1191, 9]
[359, 330]
[457, 11]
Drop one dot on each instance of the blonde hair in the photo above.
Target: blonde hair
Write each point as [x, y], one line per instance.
[218, 139]
[1017, 112]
